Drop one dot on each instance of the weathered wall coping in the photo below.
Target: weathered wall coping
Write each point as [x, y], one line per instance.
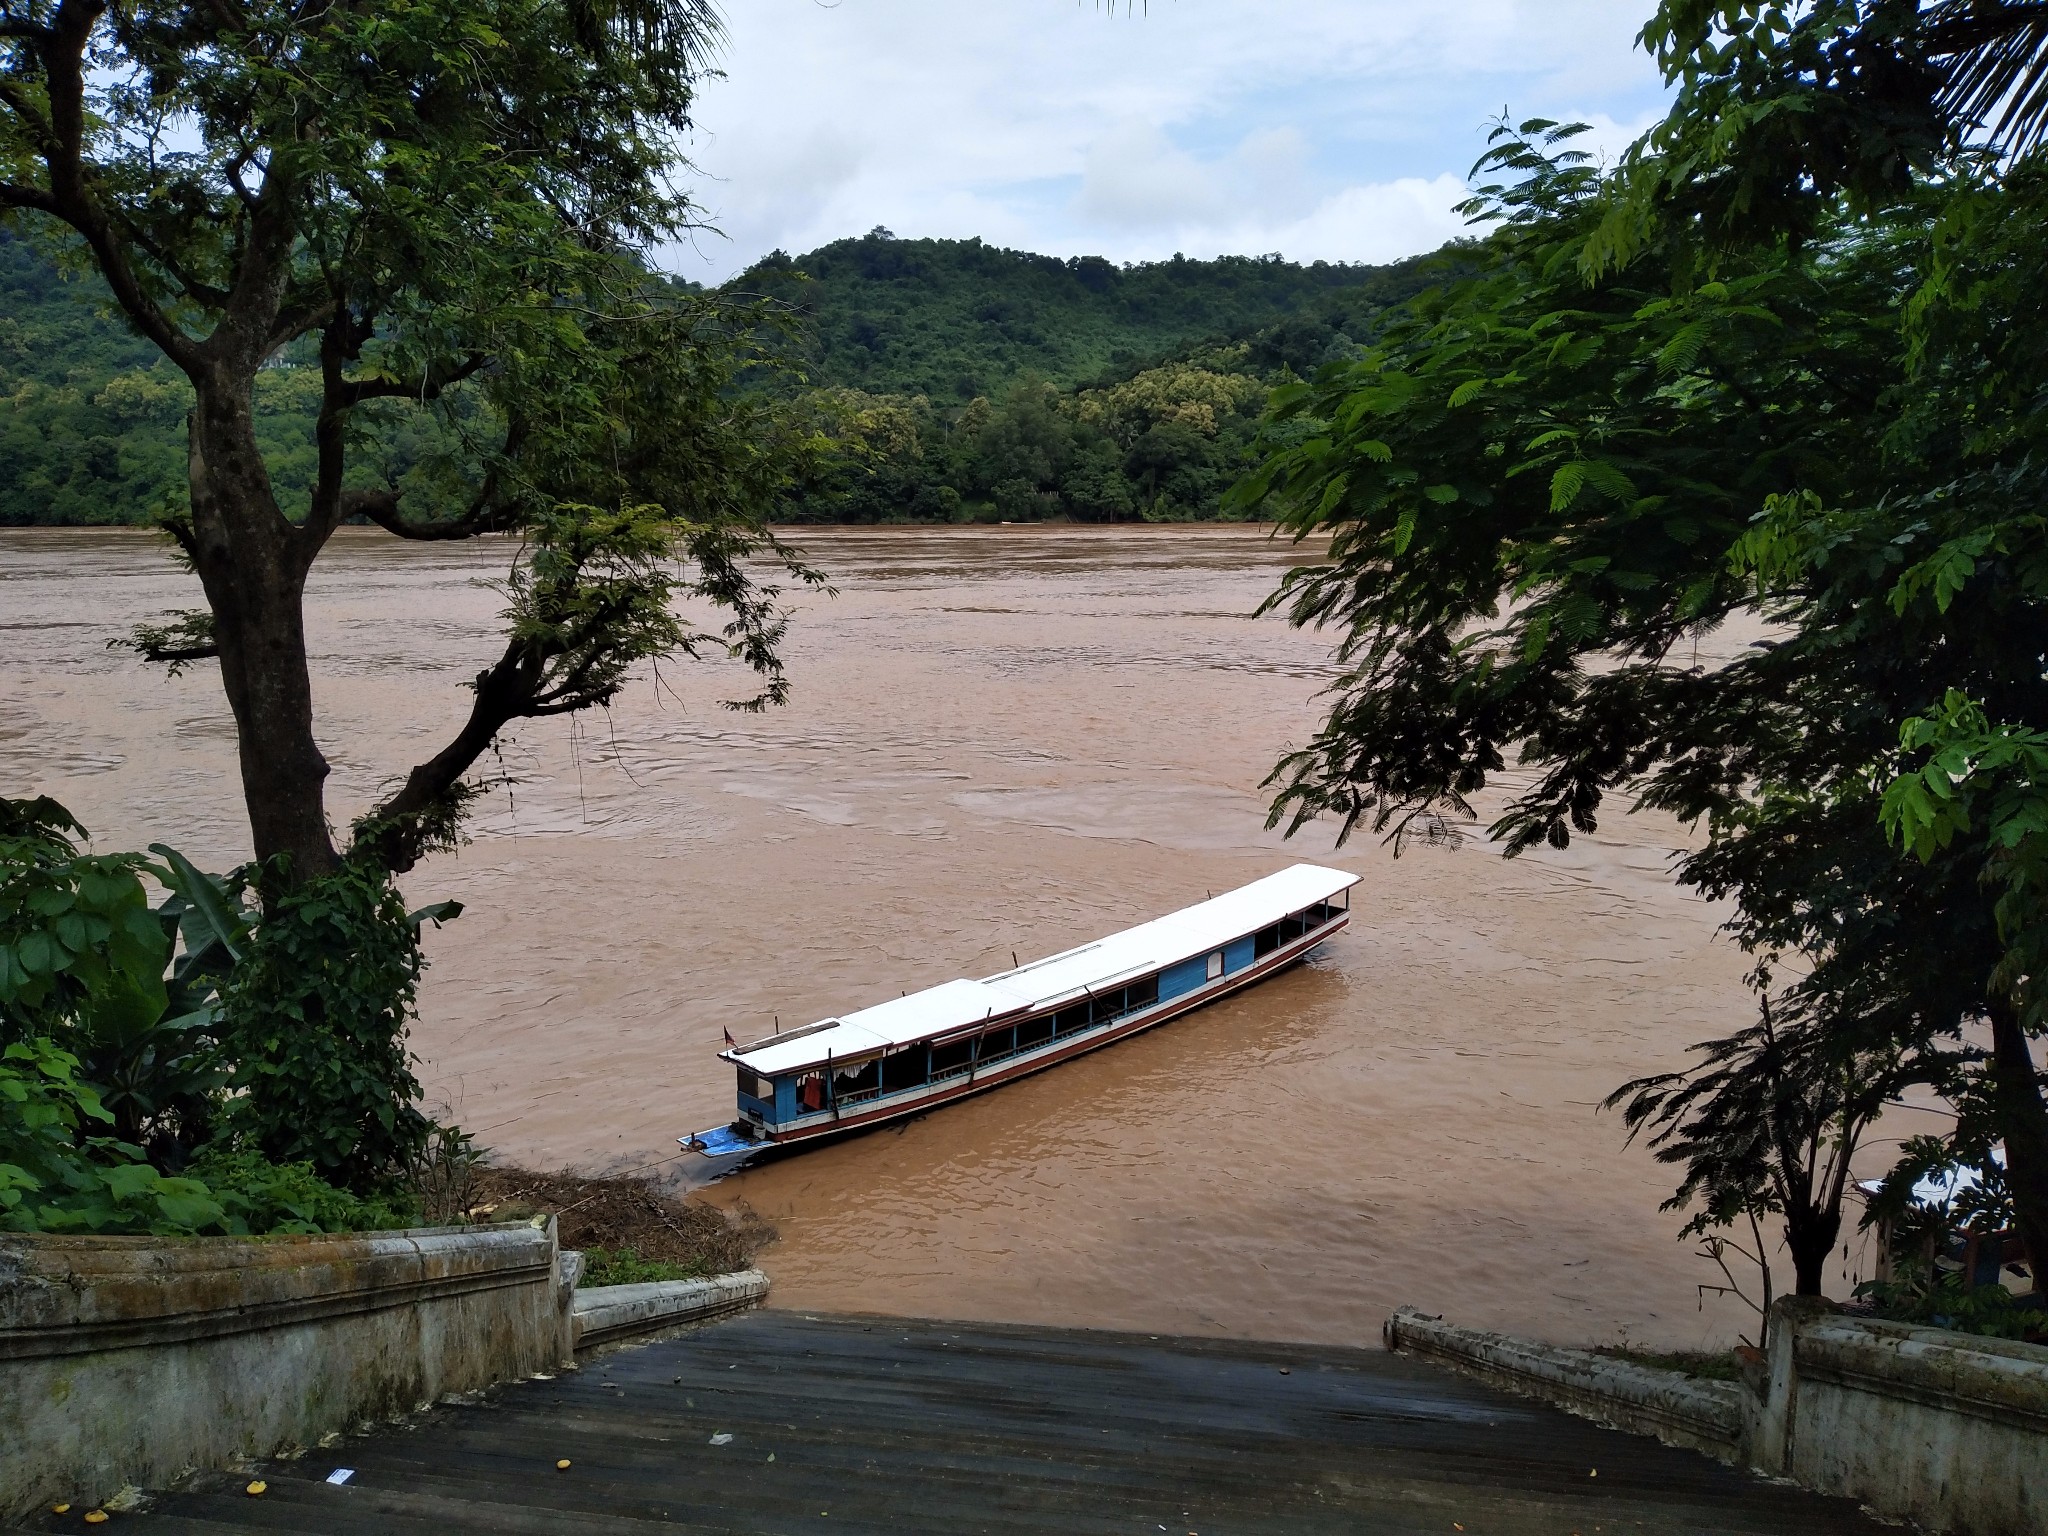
[1679, 1410]
[1943, 1429]
[64, 1295]
[1997, 1379]
[607, 1313]
[130, 1360]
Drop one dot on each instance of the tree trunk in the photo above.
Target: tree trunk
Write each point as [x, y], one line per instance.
[1809, 1265]
[1810, 1242]
[253, 566]
[2023, 1120]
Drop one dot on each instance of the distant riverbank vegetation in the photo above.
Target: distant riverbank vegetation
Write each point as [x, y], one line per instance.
[938, 380]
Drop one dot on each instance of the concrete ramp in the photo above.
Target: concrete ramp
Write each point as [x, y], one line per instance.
[781, 1422]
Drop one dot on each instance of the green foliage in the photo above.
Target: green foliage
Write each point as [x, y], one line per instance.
[262, 1196]
[84, 959]
[1947, 1301]
[1783, 112]
[398, 259]
[77, 937]
[1163, 445]
[1534, 468]
[917, 330]
[954, 319]
[622, 1266]
[1766, 1124]
[442, 1179]
[57, 1174]
[314, 1019]
[141, 1020]
[91, 419]
[1549, 482]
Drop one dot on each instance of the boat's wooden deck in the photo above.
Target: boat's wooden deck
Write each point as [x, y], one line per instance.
[889, 1426]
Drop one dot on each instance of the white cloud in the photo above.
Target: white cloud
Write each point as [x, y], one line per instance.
[1135, 179]
[1332, 128]
[1379, 222]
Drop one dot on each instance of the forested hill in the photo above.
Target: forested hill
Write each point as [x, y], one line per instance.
[90, 414]
[962, 381]
[952, 319]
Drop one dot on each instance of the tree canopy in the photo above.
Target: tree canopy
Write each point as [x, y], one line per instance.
[439, 213]
[1782, 365]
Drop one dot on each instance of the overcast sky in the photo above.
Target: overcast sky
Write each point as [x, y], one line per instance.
[1339, 129]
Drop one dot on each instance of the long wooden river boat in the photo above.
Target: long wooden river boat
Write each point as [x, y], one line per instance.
[916, 1052]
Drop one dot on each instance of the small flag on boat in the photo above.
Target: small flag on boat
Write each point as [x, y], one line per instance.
[728, 1037]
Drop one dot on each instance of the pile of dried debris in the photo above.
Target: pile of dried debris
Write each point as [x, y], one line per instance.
[624, 1214]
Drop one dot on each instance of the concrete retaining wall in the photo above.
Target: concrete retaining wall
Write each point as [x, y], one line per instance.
[127, 1360]
[1943, 1429]
[608, 1313]
[1940, 1428]
[1679, 1410]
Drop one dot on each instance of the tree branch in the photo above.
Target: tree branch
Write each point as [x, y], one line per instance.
[430, 385]
[381, 508]
[340, 342]
[205, 293]
[12, 196]
[422, 814]
[189, 637]
[71, 199]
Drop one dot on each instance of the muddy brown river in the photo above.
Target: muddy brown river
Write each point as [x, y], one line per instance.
[1001, 740]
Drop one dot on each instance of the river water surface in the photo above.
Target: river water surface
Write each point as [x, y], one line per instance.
[1001, 740]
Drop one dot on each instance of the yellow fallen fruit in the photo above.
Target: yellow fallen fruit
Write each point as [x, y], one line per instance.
[60, 1509]
[562, 1465]
[95, 1517]
[259, 1486]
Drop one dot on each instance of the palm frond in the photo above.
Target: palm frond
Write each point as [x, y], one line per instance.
[1994, 54]
[685, 29]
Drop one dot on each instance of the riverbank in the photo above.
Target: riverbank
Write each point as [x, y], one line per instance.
[627, 1228]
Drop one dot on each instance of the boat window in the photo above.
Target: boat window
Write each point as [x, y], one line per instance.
[810, 1092]
[757, 1087]
[1034, 1032]
[1142, 993]
[952, 1058]
[1072, 1018]
[1265, 941]
[998, 1044]
[1113, 1004]
[852, 1084]
[903, 1069]
[1216, 965]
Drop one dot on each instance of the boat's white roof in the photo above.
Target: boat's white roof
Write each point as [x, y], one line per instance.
[1940, 1188]
[1136, 951]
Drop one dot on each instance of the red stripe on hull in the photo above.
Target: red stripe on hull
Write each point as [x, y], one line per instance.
[1279, 960]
